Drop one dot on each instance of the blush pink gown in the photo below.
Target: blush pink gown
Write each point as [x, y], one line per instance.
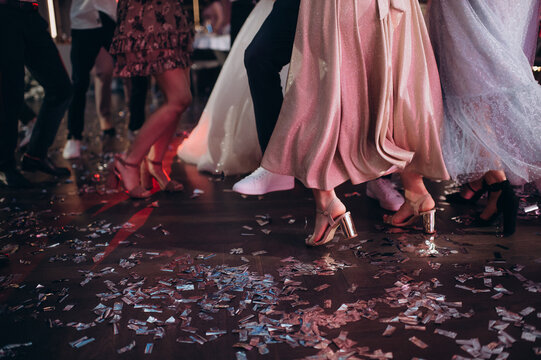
[363, 96]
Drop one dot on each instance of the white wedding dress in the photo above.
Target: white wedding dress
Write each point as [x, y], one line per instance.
[492, 101]
[225, 139]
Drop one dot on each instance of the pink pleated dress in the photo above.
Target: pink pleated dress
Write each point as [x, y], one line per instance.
[363, 96]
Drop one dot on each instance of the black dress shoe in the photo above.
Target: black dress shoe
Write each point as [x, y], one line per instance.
[13, 179]
[32, 164]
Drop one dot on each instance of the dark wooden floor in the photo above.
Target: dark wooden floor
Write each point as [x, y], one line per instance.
[85, 257]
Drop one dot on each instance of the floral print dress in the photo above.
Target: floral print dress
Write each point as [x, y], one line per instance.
[152, 36]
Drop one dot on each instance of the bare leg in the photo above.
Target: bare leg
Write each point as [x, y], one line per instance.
[175, 85]
[492, 177]
[414, 190]
[157, 153]
[102, 81]
[466, 191]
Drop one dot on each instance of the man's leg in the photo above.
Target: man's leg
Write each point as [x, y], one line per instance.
[267, 54]
[84, 50]
[44, 62]
[11, 92]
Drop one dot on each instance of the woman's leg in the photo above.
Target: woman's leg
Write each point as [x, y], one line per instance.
[492, 177]
[414, 190]
[102, 86]
[468, 191]
[156, 155]
[175, 85]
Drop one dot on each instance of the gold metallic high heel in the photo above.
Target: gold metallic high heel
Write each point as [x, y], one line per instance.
[428, 217]
[344, 221]
[147, 175]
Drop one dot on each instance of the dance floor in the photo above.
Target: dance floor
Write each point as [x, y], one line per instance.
[209, 274]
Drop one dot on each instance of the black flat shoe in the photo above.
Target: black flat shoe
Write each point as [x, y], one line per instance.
[32, 164]
[456, 197]
[12, 178]
[507, 206]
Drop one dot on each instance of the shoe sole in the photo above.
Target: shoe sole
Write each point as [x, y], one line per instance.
[272, 189]
[71, 157]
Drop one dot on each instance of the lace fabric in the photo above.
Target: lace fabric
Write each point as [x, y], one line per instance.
[492, 102]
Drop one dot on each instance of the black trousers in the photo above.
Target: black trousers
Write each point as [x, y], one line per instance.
[267, 54]
[24, 40]
[27, 114]
[240, 10]
[85, 46]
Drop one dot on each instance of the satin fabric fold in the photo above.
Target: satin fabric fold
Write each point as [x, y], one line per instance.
[363, 96]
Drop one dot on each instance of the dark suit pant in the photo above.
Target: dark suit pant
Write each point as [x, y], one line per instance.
[25, 40]
[267, 54]
[85, 46]
[240, 10]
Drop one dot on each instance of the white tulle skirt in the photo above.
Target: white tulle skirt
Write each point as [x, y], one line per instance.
[492, 102]
[225, 139]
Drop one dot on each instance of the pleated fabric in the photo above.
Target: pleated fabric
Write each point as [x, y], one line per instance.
[363, 97]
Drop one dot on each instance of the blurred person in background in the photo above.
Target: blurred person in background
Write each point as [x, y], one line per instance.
[93, 25]
[25, 41]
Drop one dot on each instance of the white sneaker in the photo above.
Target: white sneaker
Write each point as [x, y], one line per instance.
[384, 191]
[72, 150]
[262, 181]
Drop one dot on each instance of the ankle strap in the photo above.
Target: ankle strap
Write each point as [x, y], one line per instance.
[484, 186]
[32, 157]
[124, 163]
[498, 186]
[416, 205]
[327, 212]
[157, 163]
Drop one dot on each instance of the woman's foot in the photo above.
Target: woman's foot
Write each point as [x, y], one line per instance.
[501, 200]
[128, 174]
[328, 221]
[155, 169]
[416, 205]
[469, 193]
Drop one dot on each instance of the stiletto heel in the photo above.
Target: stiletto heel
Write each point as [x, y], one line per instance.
[507, 205]
[113, 180]
[343, 221]
[146, 177]
[169, 186]
[137, 192]
[428, 217]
